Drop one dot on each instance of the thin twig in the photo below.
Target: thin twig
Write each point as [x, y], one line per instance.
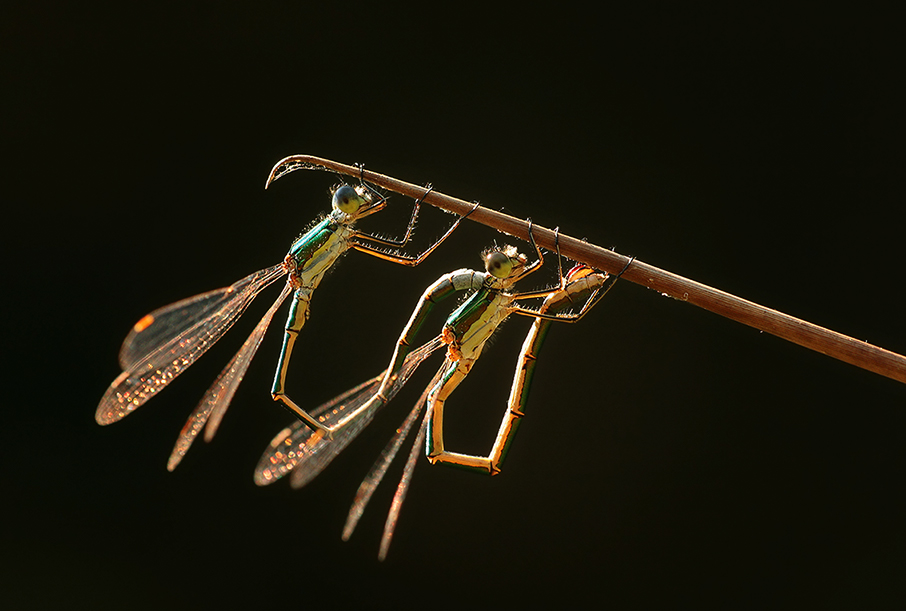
[831, 343]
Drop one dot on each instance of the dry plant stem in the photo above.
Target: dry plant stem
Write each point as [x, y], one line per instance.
[831, 343]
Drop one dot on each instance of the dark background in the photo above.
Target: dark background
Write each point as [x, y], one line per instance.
[669, 455]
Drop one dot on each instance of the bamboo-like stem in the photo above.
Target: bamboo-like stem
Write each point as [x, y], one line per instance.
[833, 344]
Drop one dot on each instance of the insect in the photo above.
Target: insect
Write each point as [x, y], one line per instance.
[164, 343]
[306, 450]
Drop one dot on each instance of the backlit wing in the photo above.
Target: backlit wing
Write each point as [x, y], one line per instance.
[167, 341]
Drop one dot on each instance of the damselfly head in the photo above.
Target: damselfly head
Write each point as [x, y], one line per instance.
[350, 200]
[503, 262]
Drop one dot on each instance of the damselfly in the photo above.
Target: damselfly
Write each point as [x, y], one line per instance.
[164, 343]
[306, 451]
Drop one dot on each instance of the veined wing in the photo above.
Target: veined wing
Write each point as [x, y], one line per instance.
[166, 342]
[322, 451]
[327, 449]
[403, 487]
[213, 406]
[379, 469]
[297, 442]
[306, 453]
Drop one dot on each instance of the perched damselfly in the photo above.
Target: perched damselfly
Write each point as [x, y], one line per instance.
[307, 450]
[164, 343]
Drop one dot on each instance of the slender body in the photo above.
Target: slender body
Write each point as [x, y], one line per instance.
[305, 452]
[166, 342]
[582, 286]
[469, 327]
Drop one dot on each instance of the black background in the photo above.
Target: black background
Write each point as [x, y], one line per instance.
[669, 455]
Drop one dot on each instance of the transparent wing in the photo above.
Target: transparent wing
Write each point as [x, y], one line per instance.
[403, 488]
[324, 450]
[164, 324]
[217, 399]
[242, 359]
[167, 341]
[329, 449]
[379, 469]
[306, 453]
[297, 442]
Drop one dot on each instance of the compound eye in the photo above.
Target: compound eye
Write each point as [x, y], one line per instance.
[498, 264]
[346, 199]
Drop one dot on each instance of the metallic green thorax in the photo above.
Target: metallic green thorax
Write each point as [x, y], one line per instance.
[313, 240]
[466, 315]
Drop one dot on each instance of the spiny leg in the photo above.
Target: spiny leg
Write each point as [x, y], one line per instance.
[403, 259]
[410, 226]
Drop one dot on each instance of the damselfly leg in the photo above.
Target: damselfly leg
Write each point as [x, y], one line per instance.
[164, 343]
[580, 287]
[488, 303]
